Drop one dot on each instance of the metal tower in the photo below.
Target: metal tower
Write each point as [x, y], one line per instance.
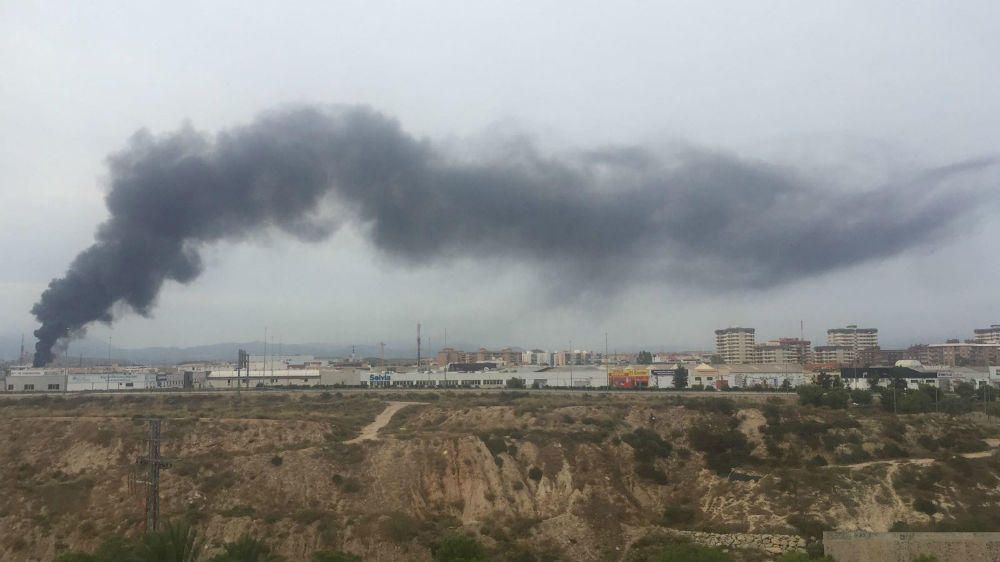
[152, 463]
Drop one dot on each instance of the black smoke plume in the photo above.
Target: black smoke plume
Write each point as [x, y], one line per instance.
[608, 217]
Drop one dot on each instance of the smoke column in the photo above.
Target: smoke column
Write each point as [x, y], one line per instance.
[696, 216]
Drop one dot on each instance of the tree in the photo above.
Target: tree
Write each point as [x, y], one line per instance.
[874, 380]
[247, 549]
[965, 390]
[515, 382]
[861, 397]
[644, 358]
[810, 394]
[986, 393]
[836, 399]
[459, 548]
[824, 380]
[680, 378]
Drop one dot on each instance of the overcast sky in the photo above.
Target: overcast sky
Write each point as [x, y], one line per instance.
[852, 95]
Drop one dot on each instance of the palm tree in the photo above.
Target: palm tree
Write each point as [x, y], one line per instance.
[247, 549]
[177, 542]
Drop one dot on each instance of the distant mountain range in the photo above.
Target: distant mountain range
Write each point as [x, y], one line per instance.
[97, 350]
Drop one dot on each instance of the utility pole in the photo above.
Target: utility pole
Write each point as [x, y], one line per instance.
[381, 354]
[418, 347]
[607, 361]
[107, 376]
[572, 359]
[153, 463]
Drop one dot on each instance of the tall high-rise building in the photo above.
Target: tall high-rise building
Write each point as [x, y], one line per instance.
[735, 345]
[853, 337]
[784, 350]
[988, 335]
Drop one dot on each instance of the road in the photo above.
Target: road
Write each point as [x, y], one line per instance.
[415, 391]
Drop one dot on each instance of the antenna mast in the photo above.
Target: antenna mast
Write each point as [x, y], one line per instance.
[153, 463]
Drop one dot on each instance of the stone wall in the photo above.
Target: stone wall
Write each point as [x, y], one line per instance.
[904, 547]
[773, 544]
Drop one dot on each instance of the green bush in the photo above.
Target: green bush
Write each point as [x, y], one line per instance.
[807, 526]
[685, 552]
[836, 399]
[724, 447]
[810, 394]
[861, 397]
[535, 473]
[459, 548]
[925, 506]
[678, 515]
[647, 444]
[247, 549]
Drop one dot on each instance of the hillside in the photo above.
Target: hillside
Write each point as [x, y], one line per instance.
[545, 476]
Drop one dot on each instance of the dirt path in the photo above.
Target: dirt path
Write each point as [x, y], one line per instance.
[993, 444]
[370, 432]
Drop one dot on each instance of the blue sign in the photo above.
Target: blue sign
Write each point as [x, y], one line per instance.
[380, 378]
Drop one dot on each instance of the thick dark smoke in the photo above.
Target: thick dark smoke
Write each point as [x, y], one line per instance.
[609, 217]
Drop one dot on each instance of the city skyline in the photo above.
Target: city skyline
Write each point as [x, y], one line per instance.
[809, 118]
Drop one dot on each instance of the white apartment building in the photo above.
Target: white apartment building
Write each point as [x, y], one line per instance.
[736, 345]
[536, 357]
[840, 354]
[989, 335]
[853, 337]
[783, 351]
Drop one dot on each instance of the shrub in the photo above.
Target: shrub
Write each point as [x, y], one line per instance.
[861, 397]
[400, 527]
[678, 515]
[459, 548]
[807, 526]
[175, 543]
[238, 511]
[535, 473]
[685, 552]
[649, 471]
[276, 460]
[926, 558]
[77, 557]
[810, 394]
[333, 556]
[247, 549]
[647, 444]
[495, 443]
[925, 506]
[515, 382]
[836, 399]
[724, 448]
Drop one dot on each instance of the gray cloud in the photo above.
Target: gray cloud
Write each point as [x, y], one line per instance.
[610, 217]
